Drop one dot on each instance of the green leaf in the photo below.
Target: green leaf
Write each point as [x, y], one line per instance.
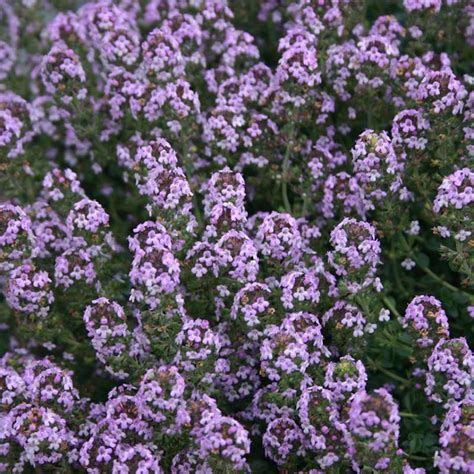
[422, 259]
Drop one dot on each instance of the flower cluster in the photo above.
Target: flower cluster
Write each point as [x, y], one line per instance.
[16, 238]
[155, 270]
[38, 400]
[236, 236]
[107, 328]
[374, 426]
[426, 322]
[356, 254]
[453, 204]
[455, 438]
[28, 291]
[450, 371]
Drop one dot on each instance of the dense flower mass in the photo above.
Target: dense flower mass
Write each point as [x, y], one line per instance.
[455, 439]
[427, 323]
[236, 236]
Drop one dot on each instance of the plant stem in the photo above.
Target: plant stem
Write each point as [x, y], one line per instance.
[363, 305]
[286, 165]
[305, 204]
[391, 307]
[394, 376]
[405, 414]
[189, 173]
[370, 118]
[432, 274]
[389, 373]
[437, 278]
[418, 458]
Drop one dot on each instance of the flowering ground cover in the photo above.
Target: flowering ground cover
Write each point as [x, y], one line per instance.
[236, 236]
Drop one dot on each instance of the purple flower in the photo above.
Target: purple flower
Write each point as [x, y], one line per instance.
[15, 125]
[160, 395]
[374, 427]
[356, 254]
[106, 326]
[450, 371]
[42, 435]
[62, 74]
[278, 238]
[456, 437]
[283, 442]
[409, 130]
[62, 185]
[344, 378]
[155, 271]
[426, 322]
[223, 439]
[377, 166]
[16, 237]
[455, 192]
[28, 291]
[324, 432]
[300, 288]
[75, 265]
[298, 63]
